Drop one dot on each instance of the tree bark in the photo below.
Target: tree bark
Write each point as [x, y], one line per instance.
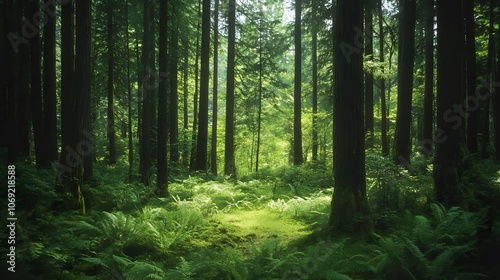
[229, 162]
[201, 147]
[472, 120]
[111, 111]
[383, 103]
[427, 144]
[297, 96]
[145, 140]
[173, 104]
[213, 155]
[161, 181]
[349, 203]
[449, 150]
[49, 84]
[369, 74]
[406, 56]
[314, 46]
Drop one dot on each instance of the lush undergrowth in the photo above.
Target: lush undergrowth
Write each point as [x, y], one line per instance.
[270, 225]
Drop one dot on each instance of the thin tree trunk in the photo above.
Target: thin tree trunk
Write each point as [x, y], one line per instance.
[173, 125]
[314, 46]
[185, 146]
[297, 96]
[49, 84]
[192, 165]
[369, 74]
[145, 140]
[213, 155]
[427, 144]
[129, 99]
[383, 105]
[472, 120]
[489, 70]
[406, 56]
[111, 113]
[161, 182]
[259, 117]
[229, 161]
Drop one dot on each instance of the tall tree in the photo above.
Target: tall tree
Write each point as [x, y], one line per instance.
[185, 121]
[470, 45]
[369, 7]
[145, 140]
[111, 86]
[406, 56]
[349, 203]
[192, 162]
[383, 103]
[429, 79]
[213, 154]
[314, 60]
[161, 182]
[67, 71]
[485, 141]
[49, 83]
[173, 125]
[129, 99]
[449, 153]
[201, 147]
[36, 89]
[229, 162]
[496, 111]
[80, 135]
[297, 96]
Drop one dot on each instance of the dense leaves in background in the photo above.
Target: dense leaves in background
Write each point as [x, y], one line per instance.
[252, 139]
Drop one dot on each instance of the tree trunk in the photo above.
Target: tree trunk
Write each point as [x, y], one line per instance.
[496, 113]
[349, 203]
[213, 155]
[229, 162]
[173, 104]
[489, 70]
[369, 74]
[192, 164]
[185, 146]
[67, 71]
[36, 91]
[314, 46]
[49, 83]
[145, 140]
[427, 144]
[201, 147]
[259, 113]
[449, 150]
[161, 181]
[383, 104]
[129, 100]
[406, 56]
[297, 96]
[111, 114]
[472, 120]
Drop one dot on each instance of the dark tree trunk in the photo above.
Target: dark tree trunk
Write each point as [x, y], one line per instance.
[161, 182]
[49, 84]
[67, 71]
[314, 46]
[496, 111]
[80, 142]
[173, 103]
[470, 31]
[427, 144]
[23, 141]
[349, 203]
[406, 56]
[383, 103]
[213, 155]
[449, 150]
[229, 162]
[297, 96]
[111, 110]
[369, 74]
[145, 140]
[489, 70]
[140, 81]
[36, 91]
[201, 147]
[129, 100]
[185, 146]
[192, 163]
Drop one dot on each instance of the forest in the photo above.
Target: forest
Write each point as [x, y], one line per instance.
[250, 139]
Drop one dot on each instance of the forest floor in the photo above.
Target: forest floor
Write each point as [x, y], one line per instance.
[270, 225]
